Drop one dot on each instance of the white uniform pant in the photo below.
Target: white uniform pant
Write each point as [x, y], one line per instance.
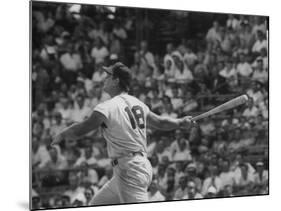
[129, 184]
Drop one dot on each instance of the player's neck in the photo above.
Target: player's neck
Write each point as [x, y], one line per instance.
[114, 93]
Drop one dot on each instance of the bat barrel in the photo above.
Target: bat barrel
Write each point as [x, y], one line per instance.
[226, 106]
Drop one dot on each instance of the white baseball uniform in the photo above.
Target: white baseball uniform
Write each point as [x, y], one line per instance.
[125, 133]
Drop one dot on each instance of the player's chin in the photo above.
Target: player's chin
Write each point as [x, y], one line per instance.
[105, 89]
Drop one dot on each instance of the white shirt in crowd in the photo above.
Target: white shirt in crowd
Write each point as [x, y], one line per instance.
[208, 182]
[98, 76]
[77, 194]
[253, 111]
[71, 62]
[165, 153]
[244, 69]
[261, 76]
[228, 73]
[257, 96]
[259, 45]
[99, 54]
[41, 156]
[79, 114]
[190, 58]
[120, 32]
[233, 23]
[262, 179]
[156, 196]
[227, 178]
[184, 76]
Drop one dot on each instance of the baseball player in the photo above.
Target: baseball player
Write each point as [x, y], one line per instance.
[123, 120]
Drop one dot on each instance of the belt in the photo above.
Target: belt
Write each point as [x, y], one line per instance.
[114, 161]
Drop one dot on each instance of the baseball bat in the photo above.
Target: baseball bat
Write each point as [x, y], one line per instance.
[226, 106]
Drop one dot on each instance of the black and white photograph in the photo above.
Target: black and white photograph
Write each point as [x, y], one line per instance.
[133, 105]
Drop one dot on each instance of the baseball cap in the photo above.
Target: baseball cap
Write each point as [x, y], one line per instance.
[120, 71]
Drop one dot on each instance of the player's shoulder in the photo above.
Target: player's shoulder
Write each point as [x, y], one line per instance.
[106, 103]
[135, 100]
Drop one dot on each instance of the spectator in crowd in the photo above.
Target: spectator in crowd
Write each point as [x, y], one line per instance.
[211, 192]
[80, 110]
[207, 126]
[229, 72]
[162, 150]
[217, 83]
[40, 155]
[89, 194]
[190, 103]
[168, 110]
[246, 177]
[57, 125]
[226, 41]
[99, 75]
[192, 193]
[169, 64]
[175, 144]
[75, 191]
[56, 161]
[213, 34]
[99, 52]
[189, 58]
[179, 171]
[260, 74]
[260, 43]
[71, 60]
[146, 59]
[65, 109]
[89, 175]
[236, 143]
[65, 201]
[115, 47]
[89, 156]
[261, 175]
[255, 92]
[119, 31]
[36, 201]
[40, 79]
[219, 144]
[191, 173]
[244, 69]
[184, 151]
[106, 177]
[153, 192]
[227, 191]
[213, 183]
[226, 176]
[182, 189]
[232, 22]
[251, 110]
[154, 163]
[176, 99]
[182, 74]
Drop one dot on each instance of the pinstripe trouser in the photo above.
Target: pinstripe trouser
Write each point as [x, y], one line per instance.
[131, 178]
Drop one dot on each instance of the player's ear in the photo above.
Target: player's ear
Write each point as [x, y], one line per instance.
[116, 80]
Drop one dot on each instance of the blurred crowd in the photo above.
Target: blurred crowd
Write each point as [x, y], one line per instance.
[224, 155]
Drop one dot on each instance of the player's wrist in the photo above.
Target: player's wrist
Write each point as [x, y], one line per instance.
[181, 122]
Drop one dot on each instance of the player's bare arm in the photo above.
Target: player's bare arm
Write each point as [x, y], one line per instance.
[77, 130]
[168, 123]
